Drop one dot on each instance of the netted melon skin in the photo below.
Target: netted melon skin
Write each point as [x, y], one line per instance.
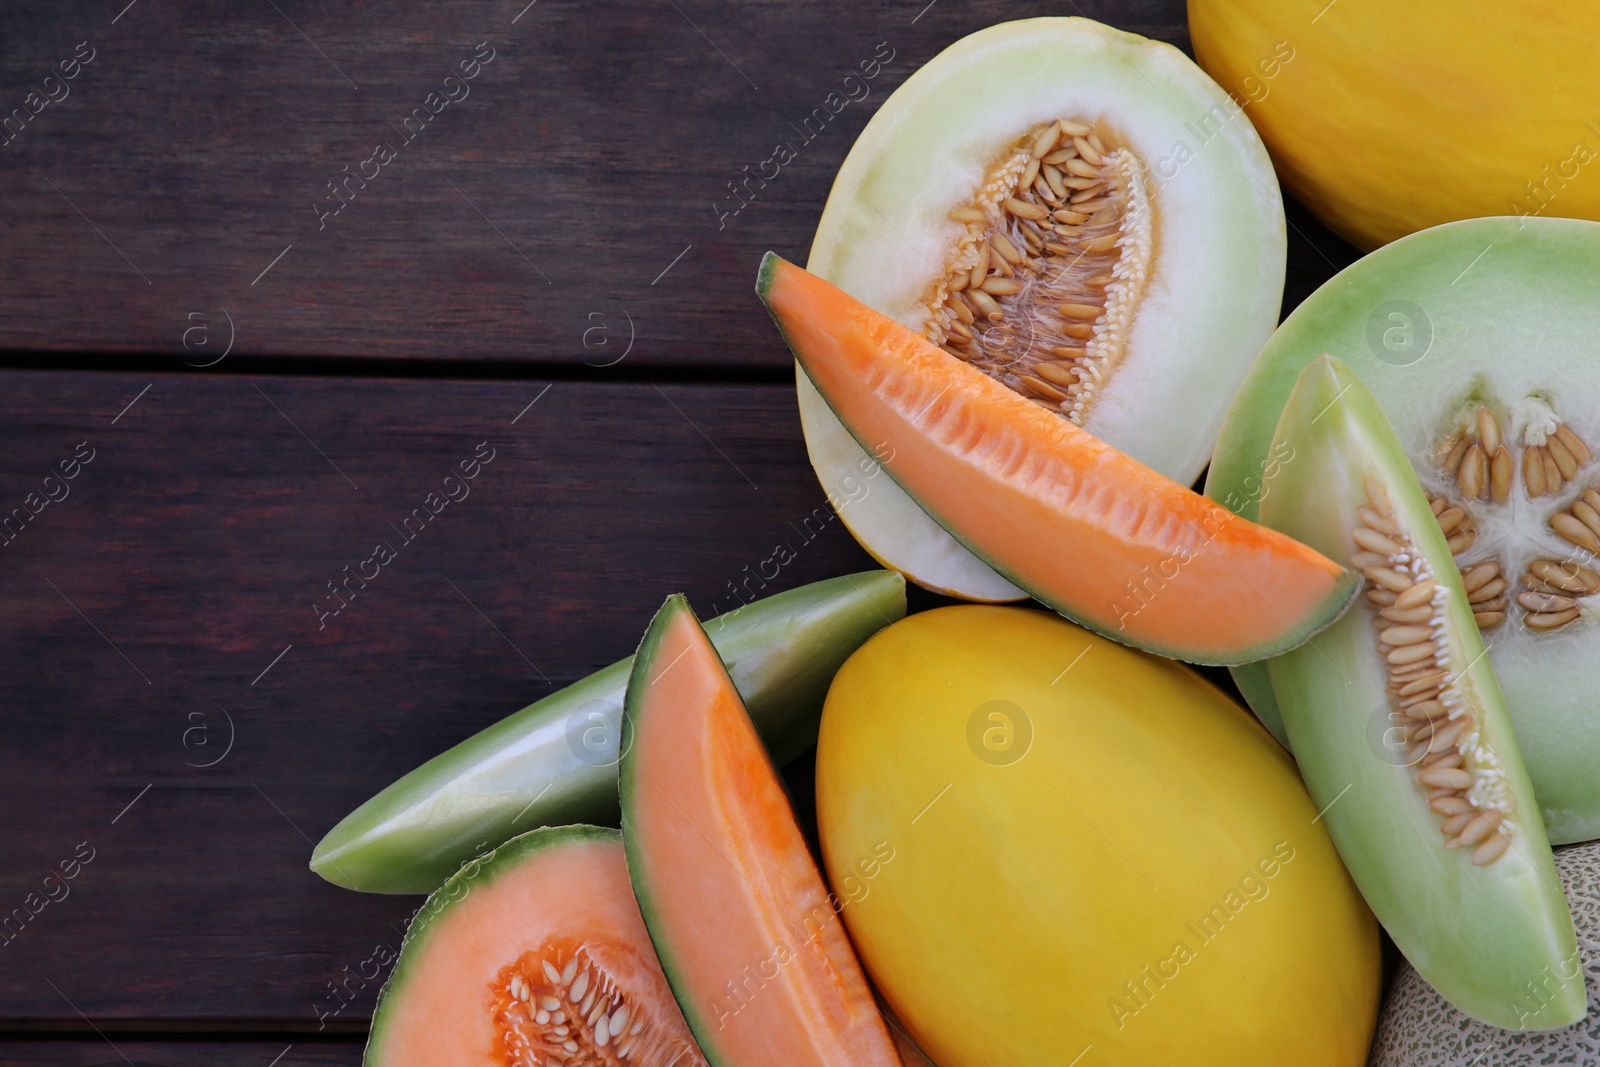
[1418, 1029]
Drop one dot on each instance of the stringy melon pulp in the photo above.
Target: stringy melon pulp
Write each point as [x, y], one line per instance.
[1478, 340]
[1082, 214]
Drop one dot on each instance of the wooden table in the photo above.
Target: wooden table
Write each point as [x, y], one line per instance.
[551, 271]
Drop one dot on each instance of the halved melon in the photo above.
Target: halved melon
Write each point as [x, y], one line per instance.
[746, 931]
[532, 954]
[1134, 312]
[1091, 532]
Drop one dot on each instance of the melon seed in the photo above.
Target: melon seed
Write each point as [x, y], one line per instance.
[1061, 274]
[1419, 681]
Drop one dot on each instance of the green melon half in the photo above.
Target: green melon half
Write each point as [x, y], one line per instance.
[1383, 710]
[532, 953]
[1213, 296]
[1499, 312]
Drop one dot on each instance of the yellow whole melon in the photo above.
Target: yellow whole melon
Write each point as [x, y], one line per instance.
[1386, 118]
[1044, 843]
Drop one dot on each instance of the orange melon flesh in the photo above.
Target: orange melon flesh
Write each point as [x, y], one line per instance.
[554, 895]
[1089, 531]
[745, 928]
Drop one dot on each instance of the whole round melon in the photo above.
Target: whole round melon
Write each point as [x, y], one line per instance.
[1477, 339]
[1389, 118]
[1418, 1029]
[1047, 846]
[1076, 211]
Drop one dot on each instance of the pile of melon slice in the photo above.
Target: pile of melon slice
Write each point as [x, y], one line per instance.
[1037, 299]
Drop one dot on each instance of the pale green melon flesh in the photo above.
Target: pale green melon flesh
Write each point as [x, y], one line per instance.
[1478, 934]
[1495, 310]
[1419, 1029]
[1217, 278]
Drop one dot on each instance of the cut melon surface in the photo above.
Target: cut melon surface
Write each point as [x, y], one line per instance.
[1498, 315]
[1092, 533]
[1399, 727]
[532, 954]
[1194, 236]
[746, 930]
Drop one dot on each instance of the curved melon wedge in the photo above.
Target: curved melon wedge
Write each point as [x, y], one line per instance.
[1091, 532]
[1400, 729]
[532, 953]
[747, 932]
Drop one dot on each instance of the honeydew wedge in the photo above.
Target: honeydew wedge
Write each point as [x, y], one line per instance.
[1399, 726]
[1192, 229]
[1474, 334]
[555, 761]
[1089, 531]
[746, 930]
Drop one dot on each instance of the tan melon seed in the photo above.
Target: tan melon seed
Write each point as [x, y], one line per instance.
[1420, 593]
[1451, 805]
[1411, 615]
[1500, 471]
[1488, 431]
[1411, 654]
[1533, 471]
[1553, 478]
[1472, 472]
[1426, 684]
[1457, 823]
[1001, 286]
[1551, 621]
[1450, 777]
[1373, 541]
[1491, 850]
[1406, 635]
[1389, 578]
[1488, 591]
[1457, 449]
[1460, 542]
[1574, 444]
[1479, 575]
[1575, 531]
[1586, 514]
[1550, 602]
[1570, 576]
[1488, 620]
[1565, 462]
[1450, 519]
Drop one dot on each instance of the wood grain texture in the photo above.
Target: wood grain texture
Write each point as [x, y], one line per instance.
[120, 1051]
[593, 152]
[142, 611]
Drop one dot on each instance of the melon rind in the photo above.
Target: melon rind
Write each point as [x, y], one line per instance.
[1511, 302]
[1477, 934]
[1419, 1028]
[1220, 250]
[543, 765]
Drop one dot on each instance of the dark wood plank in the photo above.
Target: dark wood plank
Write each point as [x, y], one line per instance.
[171, 591]
[595, 151]
[121, 1051]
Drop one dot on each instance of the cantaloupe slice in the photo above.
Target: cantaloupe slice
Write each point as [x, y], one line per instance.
[746, 930]
[532, 954]
[1089, 531]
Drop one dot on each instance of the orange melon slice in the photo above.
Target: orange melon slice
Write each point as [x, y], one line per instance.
[746, 930]
[1089, 531]
[532, 954]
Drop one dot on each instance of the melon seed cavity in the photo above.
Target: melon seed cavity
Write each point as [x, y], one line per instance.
[1483, 465]
[1041, 289]
[1459, 775]
[562, 1006]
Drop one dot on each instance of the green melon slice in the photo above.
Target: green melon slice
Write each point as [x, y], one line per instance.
[555, 761]
[532, 954]
[1206, 298]
[1493, 313]
[747, 932]
[1398, 724]
[1419, 1028]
